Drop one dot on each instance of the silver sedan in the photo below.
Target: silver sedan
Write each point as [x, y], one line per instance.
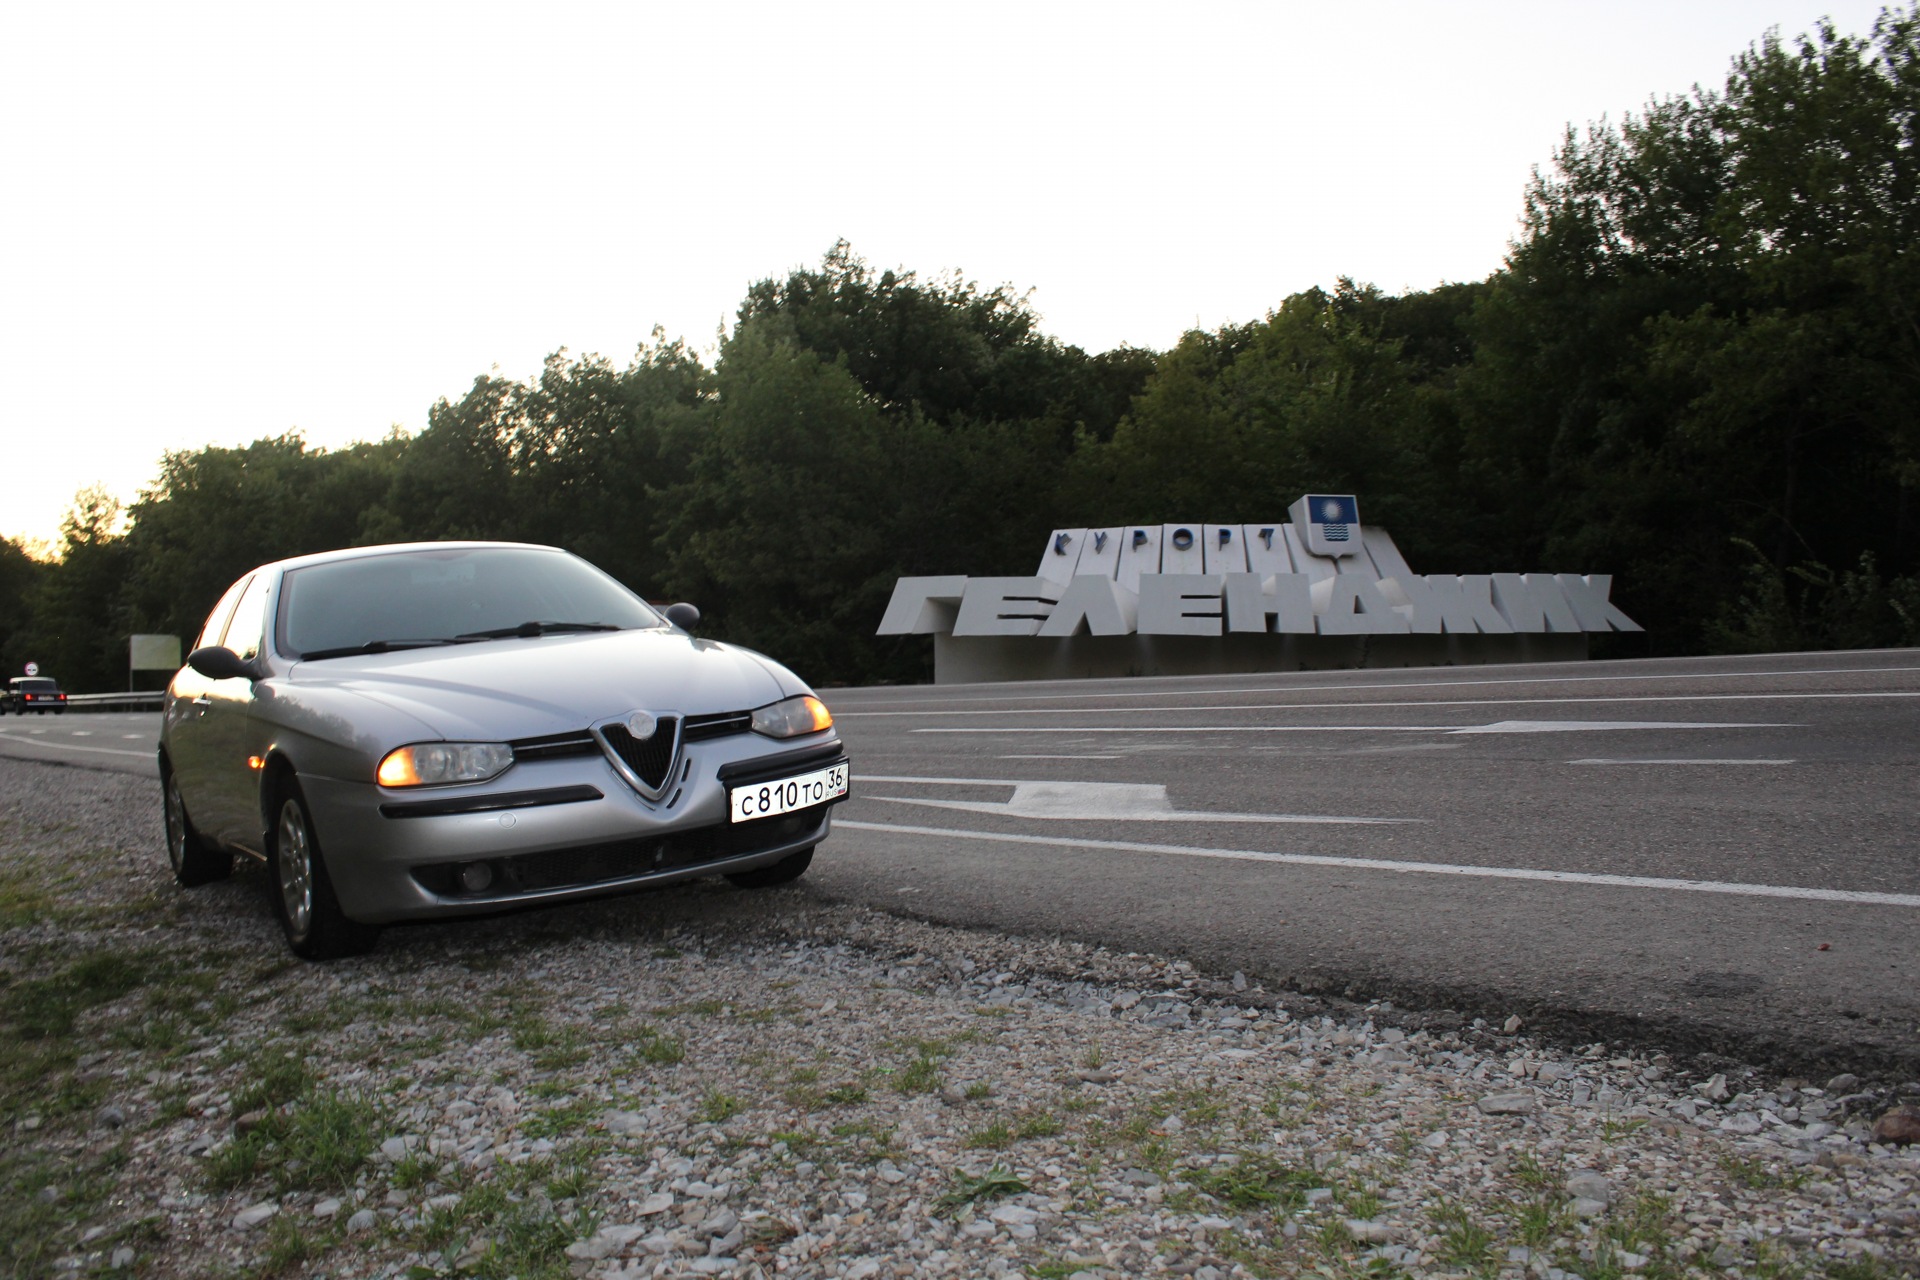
[444, 729]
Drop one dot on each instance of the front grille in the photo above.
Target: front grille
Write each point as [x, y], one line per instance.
[554, 746]
[624, 859]
[720, 725]
[649, 758]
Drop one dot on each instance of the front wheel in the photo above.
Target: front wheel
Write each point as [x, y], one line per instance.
[785, 871]
[303, 897]
[194, 860]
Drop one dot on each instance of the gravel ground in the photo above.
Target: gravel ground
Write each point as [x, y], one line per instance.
[709, 1081]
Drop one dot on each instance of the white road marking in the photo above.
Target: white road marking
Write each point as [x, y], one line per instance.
[80, 733]
[1112, 802]
[948, 782]
[73, 746]
[1113, 757]
[1410, 684]
[1592, 699]
[1421, 868]
[1651, 760]
[1575, 726]
[1503, 726]
[133, 735]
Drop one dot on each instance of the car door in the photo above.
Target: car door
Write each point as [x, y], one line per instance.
[190, 749]
[231, 788]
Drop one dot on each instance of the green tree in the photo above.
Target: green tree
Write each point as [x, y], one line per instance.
[79, 629]
[217, 512]
[1236, 424]
[21, 575]
[1706, 333]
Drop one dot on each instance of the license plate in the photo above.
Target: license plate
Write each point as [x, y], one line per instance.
[769, 799]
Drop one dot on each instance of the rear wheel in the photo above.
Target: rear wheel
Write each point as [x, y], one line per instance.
[194, 860]
[785, 871]
[303, 897]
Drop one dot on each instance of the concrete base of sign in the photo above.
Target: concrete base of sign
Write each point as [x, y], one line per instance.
[976, 659]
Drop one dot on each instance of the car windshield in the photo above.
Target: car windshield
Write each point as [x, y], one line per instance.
[32, 684]
[404, 599]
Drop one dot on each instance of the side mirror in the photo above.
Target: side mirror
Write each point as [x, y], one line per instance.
[216, 662]
[683, 616]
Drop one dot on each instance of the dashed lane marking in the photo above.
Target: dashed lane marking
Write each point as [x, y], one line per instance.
[1596, 699]
[1794, 892]
[1110, 802]
[1407, 684]
[73, 746]
[1660, 761]
[1503, 726]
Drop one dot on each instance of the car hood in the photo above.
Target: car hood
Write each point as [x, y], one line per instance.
[499, 690]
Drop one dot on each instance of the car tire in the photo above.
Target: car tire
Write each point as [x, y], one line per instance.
[194, 860]
[302, 891]
[785, 871]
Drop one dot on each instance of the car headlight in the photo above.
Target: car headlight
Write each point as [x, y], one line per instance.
[427, 764]
[791, 717]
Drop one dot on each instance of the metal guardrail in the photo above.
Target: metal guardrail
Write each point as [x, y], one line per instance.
[116, 701]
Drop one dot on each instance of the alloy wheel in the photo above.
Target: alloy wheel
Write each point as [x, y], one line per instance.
[176, 811]
[293, 854]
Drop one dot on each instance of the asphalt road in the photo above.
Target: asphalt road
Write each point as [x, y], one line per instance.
[1712, 854]
[1709, 854]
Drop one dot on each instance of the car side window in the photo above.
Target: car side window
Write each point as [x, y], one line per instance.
[217, 620]
[249, 619]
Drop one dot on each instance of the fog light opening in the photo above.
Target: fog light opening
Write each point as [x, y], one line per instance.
[475, 877]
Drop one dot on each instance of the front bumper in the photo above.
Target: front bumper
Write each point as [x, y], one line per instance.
[553, 831]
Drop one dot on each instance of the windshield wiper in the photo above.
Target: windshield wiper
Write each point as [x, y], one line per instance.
[538, 629]
[374, 646]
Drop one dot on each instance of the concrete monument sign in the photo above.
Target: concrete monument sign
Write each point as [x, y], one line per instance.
[1317, 591]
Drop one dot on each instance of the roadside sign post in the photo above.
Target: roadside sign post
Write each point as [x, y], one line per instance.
[151, 653]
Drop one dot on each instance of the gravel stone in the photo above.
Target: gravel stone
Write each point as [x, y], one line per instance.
[709, 1081]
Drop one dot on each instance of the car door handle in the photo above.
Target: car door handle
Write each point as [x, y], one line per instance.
[203, 702]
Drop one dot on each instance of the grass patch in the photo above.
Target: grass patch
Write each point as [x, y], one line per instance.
[415, 1169]
[1538, 1221]
[964, 1188]
[996, 1135]
[1756, 1175]
[799, 1143]
[46, 1008]
[288, 1245]
[1038, 1124]
[920, 1070]
[1360, 1202]
[1255, 1181]
[23, 900]
[34, 1231]
[658, 1049]
[275, 1078]
[558, 1122]
[717, 1107]
[319, 1142]
[1463, 1241]
[503, 1235]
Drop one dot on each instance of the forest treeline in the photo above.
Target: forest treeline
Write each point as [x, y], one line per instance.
[1699, 370]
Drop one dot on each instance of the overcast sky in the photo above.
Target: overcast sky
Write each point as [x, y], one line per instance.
[224, 222]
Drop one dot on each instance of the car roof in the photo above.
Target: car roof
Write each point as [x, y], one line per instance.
[342, 554]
